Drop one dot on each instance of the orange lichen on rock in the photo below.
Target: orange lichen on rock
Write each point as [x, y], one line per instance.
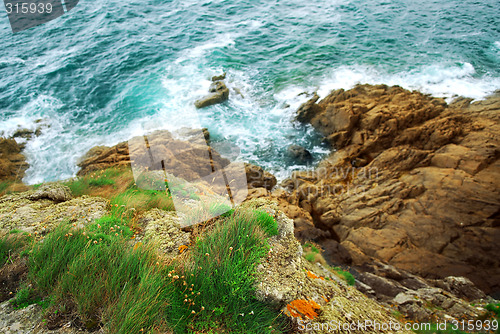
[300, 308]
[312, 275]
[182, 248]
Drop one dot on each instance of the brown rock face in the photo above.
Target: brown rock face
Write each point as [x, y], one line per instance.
[13, 165]
[187, 159]
[414, 182]
[259, 178]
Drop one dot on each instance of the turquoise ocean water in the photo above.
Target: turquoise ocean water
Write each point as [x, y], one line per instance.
[111, 69]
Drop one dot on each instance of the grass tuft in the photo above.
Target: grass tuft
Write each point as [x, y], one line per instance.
[96, 275]
[10, 244]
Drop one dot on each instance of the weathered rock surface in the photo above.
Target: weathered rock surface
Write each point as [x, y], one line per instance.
[286, 278]
[219, 77]
[55, 191]
[13, 164]
[218, 94]
[299, 153]
[259, 178]
[163, 229]
[189, 160]
[29, 320]
[414, 182]
[39, 211]
[422, 300]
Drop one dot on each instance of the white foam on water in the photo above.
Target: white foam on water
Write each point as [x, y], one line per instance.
[440, 80]
[220, 41]
[11, 60]
[257, 120]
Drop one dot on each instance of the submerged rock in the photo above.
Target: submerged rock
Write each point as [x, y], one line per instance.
[219, 77]
[218, 94]
[23, 133]
[299, 153]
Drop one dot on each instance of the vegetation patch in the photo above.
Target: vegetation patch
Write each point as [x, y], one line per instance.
[10, 244]
[13, 267]
[347, 276]
[95, 277]
[229, 254]
[10, 186]
[312, 253]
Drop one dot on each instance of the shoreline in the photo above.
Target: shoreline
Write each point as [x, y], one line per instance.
[39, 127]
[399, 188]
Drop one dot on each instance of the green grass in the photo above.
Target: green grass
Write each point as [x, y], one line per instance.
[310, 257]
[109, 227]
[495, 308]
[4, 185]
[313, 248]
[90, 277]
[82, 186]
[100, 182]
[312, 253]
[266, 222]
[347, 276]
[218, 208]
[12, 186]
[142, 200]
[105, 183]
[435, 330]
[78, 187]
[99, 277]
[229, 255]
[10, 244]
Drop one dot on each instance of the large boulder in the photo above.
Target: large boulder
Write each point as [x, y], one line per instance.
[39, 211]
[53, 191]
[189, 157]
[218, 94]
[259, 178]
[413, 182]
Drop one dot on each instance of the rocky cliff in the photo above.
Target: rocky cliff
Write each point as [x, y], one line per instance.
[413, 182]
